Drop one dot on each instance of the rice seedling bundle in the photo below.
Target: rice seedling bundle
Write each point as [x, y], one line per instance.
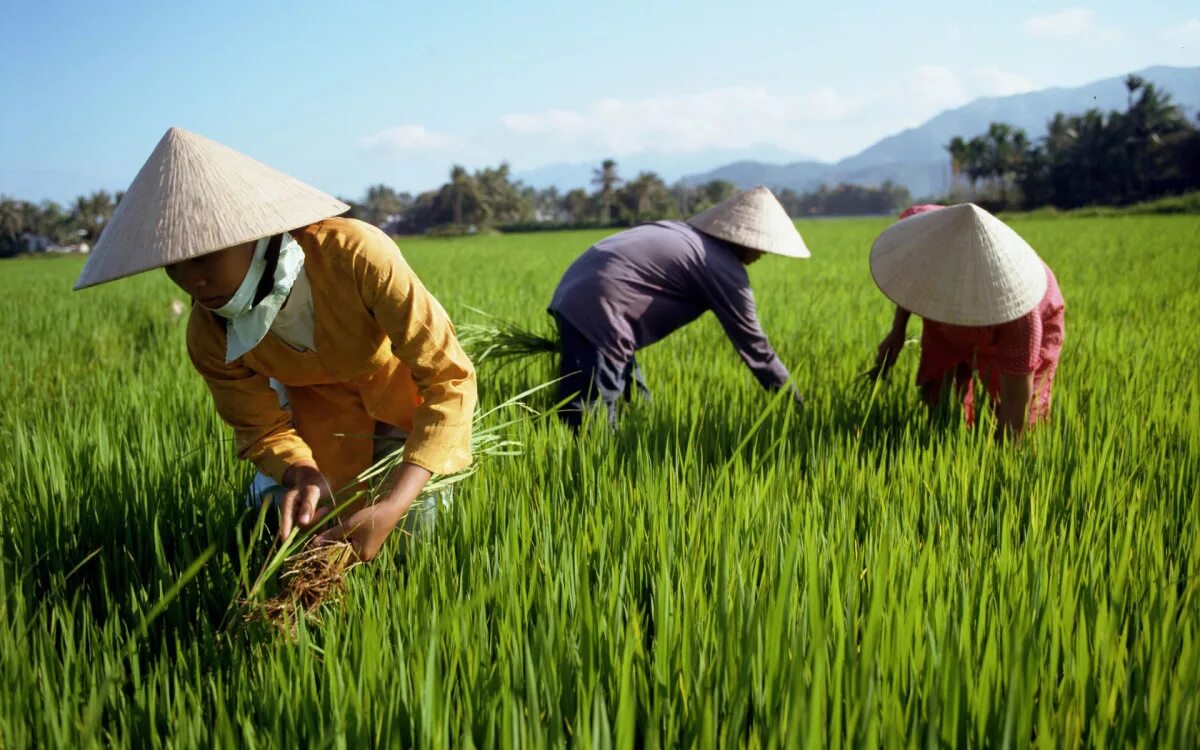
[489, 339]
[312, 573]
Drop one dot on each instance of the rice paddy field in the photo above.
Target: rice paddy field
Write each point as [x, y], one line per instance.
[721, 571]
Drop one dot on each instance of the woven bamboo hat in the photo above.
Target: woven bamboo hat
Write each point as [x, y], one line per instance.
[192, 197]
[753, 219]
[958, 265]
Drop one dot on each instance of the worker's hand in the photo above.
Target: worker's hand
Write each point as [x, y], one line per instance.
[889, 350]
[304, 489]
[366, 529]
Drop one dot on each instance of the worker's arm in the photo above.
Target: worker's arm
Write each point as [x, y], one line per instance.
[892, 344]
[262, 429]
[1016, 391]
[1020, 345]
[726, 291]
[423, 339]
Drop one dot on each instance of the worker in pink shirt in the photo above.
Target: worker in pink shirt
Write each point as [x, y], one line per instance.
[989, 305]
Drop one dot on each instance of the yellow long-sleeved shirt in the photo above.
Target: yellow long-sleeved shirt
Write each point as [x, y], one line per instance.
[385, 352]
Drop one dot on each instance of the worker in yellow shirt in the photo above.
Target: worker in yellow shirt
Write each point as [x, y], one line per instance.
[319, 344]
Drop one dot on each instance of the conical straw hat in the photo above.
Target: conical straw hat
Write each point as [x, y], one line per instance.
[192, 197]
[753, 219]
[959, 265]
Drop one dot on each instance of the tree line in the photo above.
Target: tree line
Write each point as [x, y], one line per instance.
[1116, 158]
[491, 198]
[27, 226]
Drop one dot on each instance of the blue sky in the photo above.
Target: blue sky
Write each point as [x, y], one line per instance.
[343, 97]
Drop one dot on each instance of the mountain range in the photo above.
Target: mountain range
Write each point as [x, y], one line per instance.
[915, 158]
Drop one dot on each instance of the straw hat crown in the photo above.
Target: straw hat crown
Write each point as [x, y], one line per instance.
[959, 265]
[753, 219]
[192, 197]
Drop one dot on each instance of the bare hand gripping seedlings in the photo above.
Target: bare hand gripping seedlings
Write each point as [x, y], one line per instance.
[312, 573]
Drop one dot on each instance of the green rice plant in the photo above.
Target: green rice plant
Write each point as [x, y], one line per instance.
[718, 571]
[505, 341]
[312, 575]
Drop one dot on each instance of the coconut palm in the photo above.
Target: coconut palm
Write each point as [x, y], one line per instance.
[12, 225]
[646, 198]
[92, 212]
[606, 180]
[577, 205]
[380, 203]
[1132, 84]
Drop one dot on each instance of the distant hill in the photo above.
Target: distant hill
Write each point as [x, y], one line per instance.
[670, 167]
[917, 159]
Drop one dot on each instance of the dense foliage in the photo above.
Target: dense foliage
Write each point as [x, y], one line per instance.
[1093, 158]
[31, 227]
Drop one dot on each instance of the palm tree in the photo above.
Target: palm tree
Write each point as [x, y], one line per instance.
[647, 197]
[381, 202]
[1132, 84]
[577, 205]
[974, 158]
[461, 186]
[1003, 150]
[12, 225]
[91, 213]
[637, 192]
[958, 152]
[605, 178]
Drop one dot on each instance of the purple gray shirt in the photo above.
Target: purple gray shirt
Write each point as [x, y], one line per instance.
[632, 289]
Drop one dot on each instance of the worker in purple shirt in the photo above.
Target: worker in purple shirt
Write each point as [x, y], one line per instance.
[633, 288]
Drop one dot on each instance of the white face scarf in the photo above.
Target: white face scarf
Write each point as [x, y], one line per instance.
[248, 322]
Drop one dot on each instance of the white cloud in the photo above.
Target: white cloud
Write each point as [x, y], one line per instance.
[542, 123]
[994, 81]
[729, 117]
[1069, 22]
[821, 122]
[933, 88]
[936, 87]
[1073, 22]
[407, 138]
[1185, 33]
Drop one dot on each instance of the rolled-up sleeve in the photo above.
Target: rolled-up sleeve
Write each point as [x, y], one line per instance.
[245, 401]
[424, 340]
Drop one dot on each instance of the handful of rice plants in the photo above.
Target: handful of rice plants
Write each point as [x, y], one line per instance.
[504, 341]
[310, 576]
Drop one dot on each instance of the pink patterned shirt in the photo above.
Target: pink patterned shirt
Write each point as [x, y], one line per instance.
[1029, 344]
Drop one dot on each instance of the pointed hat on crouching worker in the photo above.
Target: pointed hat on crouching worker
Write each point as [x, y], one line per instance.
[753, 219]
[958, 265]
[194, 196]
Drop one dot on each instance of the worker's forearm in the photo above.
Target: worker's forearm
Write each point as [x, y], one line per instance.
[900, 320]
[406, 482]
[1015, 394]
[1012, 420]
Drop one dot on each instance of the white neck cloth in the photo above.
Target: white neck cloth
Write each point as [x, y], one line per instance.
[248, 322]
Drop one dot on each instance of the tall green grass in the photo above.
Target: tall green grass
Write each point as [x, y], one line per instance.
[718, 570]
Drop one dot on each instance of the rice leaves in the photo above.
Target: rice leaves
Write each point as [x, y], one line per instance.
[500, 341]
[312, 575]
[718, 571]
